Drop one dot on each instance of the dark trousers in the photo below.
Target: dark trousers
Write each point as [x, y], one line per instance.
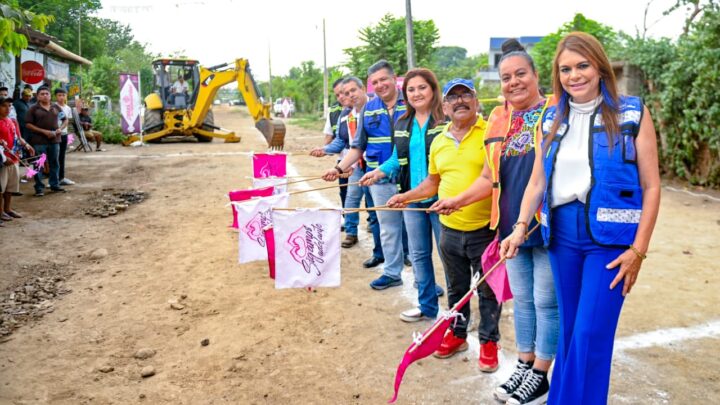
[461, 254]
[61, 158]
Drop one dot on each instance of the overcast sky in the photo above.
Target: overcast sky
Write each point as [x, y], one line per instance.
[216, 31]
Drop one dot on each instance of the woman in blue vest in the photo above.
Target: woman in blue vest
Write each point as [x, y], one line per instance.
[414, 132]
[599, 184]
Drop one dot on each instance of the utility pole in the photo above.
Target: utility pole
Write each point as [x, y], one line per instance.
[270, 74]
[325, 75]
[409, 35]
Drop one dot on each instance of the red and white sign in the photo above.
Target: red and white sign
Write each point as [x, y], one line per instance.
[31, 72]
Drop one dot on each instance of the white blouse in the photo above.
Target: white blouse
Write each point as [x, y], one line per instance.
[571, 176]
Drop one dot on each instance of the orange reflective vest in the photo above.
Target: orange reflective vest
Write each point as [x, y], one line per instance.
[495, 134]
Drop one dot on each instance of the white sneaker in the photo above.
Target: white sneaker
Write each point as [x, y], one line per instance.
[413, 315]
[66, 182]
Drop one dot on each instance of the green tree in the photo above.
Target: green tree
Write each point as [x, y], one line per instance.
[12, 18]
[691, 102]
[544, 51]
[386, 40]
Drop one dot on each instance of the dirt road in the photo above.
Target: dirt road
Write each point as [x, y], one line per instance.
[332, 346]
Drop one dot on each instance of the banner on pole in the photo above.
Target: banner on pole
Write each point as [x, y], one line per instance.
[253, 217]
[307, 248]
[130, 103]
[269, 165]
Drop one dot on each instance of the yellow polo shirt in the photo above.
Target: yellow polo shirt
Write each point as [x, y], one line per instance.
[459, 164]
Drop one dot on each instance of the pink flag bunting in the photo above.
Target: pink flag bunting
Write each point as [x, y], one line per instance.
[242, 195]
[40, 162]
[254, 216]
[269, 165]
[307, 248]
[498, 279]
[30, 173]
[272, 182]
[431, 340]
[270, 244]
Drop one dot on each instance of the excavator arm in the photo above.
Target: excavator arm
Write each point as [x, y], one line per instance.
[213, 78]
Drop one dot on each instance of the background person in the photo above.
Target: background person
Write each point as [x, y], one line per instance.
[42, 120]
[90, 133]
[414, 132]
[64, 120]
[600, 187]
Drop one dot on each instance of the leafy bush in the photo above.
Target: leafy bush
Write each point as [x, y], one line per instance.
[108, 123]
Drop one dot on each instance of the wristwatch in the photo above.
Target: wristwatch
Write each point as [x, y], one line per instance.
[339, 170]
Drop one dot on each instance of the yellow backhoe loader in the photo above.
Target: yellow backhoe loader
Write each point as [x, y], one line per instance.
[184, 93]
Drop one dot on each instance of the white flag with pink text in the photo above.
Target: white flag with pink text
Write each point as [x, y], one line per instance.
[253, 216]
[307, 248]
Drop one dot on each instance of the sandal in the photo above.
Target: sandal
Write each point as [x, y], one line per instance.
[6, 217]
[14, 214]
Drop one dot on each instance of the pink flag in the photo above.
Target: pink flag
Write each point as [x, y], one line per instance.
[40, 161]
[498, 279]
[270, 244]
[307, 248]
[242, 195]
[418, 351]
[71, 139]
[269, 165]
[271, 182]
[253, 217]
[30, 173]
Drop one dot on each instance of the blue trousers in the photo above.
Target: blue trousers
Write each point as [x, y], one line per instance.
[589, 309]
[353, 198]
[421, 227]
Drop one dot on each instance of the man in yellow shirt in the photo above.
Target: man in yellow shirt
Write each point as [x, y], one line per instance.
[457, 157]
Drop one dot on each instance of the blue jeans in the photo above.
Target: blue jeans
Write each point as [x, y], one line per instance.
[352, 219]
[421, 227]
[589, 309]
[534, 301]
[461, 254]
[391, 224]
[52, 151]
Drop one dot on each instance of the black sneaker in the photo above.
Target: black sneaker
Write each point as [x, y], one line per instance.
[58, 190]
[533, 390]
[504, 391]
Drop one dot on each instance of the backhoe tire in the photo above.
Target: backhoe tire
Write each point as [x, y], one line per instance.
[208, 126]
[153, 121]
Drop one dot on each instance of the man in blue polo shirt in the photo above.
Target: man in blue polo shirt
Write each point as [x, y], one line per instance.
[374, 140]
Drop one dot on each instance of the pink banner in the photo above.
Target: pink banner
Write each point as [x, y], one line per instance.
[269, 165]
[270, 239]
[129, 103]
[498, 279]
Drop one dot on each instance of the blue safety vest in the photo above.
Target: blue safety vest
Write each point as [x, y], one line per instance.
[378, 127]
[614, 202]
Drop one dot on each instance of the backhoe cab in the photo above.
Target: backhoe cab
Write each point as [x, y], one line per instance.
[184, 92]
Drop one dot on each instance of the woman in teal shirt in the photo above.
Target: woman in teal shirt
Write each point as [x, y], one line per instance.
[414, 132]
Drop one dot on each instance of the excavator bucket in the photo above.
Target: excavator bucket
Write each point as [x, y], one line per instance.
[273, 131]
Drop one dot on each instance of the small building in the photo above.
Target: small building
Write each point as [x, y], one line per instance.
[490, 75]
[43, 49]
